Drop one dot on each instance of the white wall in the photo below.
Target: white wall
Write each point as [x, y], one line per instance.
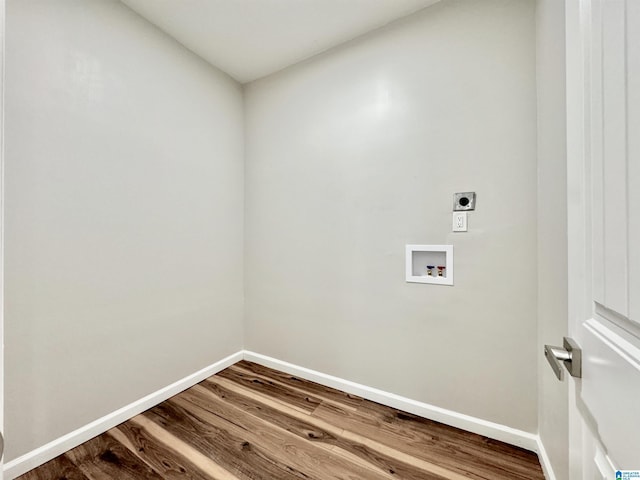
[552, 227]
[356, 153]
[124, 201]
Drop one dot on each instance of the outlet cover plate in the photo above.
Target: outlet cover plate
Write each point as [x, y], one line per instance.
[459, 221]
[464, 201]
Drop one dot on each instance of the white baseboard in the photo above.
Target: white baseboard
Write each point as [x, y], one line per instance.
[493, 430]
[545, 461]
[496, 431]
[43, 454]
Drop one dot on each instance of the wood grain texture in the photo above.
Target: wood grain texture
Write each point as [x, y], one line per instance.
[60, 468]
[250, 422]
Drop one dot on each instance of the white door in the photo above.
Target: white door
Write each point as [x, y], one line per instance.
[603, 143]
[2, 11]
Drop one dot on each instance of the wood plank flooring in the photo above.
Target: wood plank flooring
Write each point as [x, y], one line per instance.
[249, 422]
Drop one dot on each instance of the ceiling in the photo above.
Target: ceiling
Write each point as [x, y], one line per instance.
[249, 39]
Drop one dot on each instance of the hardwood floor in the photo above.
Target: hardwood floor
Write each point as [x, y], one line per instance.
[251, 422]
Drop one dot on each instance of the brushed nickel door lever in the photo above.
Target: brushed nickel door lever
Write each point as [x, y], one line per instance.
[570, 356]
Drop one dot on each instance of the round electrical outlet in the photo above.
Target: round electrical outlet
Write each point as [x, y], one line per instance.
[464, 201]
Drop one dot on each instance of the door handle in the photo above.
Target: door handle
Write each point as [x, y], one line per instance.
[1, 445]
[570, 355]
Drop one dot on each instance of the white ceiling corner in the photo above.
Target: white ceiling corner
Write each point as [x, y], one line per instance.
[249, 39]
